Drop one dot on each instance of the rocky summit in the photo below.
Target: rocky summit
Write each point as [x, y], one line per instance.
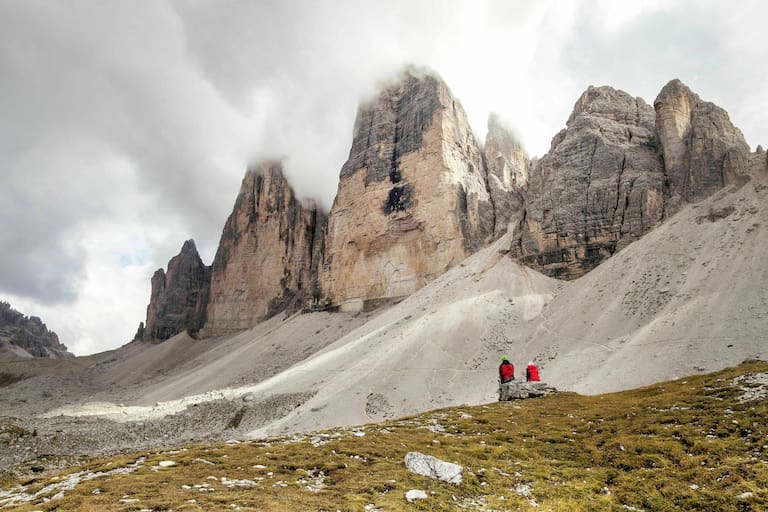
[418, 194]
[179, 296]
[597, 189]
[412, 198]
[702, 150]
[267, 254]
[618, 169]
[27, 336]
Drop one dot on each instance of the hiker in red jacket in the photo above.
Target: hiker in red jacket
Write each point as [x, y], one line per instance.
[506, 371]
[532, 373]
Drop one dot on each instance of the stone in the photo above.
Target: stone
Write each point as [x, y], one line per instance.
[266, 262]
[415, 494]
[508, 170]
[27, 336]
[599, 188]
[166, 463]
[702, 150]
[432, 467]
[179, 297]
[412, 199]
[519, 390]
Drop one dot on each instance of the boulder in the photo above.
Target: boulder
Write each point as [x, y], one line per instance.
[432, 467]
[519, 390]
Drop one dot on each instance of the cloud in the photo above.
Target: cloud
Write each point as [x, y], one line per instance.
[127, 127]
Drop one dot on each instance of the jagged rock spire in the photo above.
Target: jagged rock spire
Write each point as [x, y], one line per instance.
[179, 296]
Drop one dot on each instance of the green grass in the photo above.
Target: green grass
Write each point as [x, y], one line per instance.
[682, 445]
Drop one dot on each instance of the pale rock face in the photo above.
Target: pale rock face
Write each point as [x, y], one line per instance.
[703, 151]
[179, 296]
[508, 171]
[264, 263]
[758, 162]
[412, 198]
[599, 188]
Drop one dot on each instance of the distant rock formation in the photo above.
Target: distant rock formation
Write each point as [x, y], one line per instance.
[508, 173]
[179, 296]
[618, 170]
[412, 198]
[418, 194]
[703, 151]
[24, 337]
[266, 260]
[599, 187]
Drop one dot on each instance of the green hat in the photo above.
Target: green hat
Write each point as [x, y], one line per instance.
[504, 358]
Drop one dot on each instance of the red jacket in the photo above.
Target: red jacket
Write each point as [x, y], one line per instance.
[532, 373]
[506, 371]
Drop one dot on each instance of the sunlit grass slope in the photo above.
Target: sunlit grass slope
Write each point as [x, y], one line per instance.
[689, 444]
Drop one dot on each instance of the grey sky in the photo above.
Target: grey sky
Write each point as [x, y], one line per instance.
[126, 127]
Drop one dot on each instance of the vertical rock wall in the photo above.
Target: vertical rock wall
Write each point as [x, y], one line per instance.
[412, 198]
[703, 151]
[264, 261]
[508, 170]
[598, 188]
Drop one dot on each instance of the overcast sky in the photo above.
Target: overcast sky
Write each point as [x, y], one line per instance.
[126, 127]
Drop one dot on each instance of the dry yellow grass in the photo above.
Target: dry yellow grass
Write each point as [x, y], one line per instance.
[688, 444]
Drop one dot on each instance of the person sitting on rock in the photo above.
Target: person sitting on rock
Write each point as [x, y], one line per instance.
[506, 371]
[532, 373]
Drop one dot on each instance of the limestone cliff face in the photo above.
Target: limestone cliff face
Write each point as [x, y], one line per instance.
[599, 187]
[508, 170]
[179, 296]
[412, 198]
[702, 149]
[264, 262]
[22, 336]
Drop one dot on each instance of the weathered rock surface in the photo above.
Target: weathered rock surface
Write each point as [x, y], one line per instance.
[599, 188]
[179, 296]
[265, 261]
[432, 467]
[702, 149]
[508, 170]
[412, 198]
[758, 162]
[519, 390]
[23, 336]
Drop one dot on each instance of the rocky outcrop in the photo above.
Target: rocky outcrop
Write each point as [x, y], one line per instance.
[518, 390]
[703, 151]
[758, 162]
[508, 170]
[27, 336]
[412, 198]
[599, 187]
[266, 260]
[179, 296]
